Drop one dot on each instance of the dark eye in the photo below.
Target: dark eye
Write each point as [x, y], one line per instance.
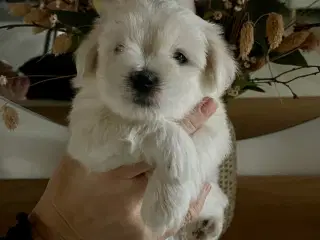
[119, 48]
[181, 59]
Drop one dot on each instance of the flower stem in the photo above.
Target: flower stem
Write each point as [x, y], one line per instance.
[286, 83]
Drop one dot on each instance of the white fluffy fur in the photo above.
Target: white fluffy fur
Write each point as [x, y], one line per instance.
[109, 130]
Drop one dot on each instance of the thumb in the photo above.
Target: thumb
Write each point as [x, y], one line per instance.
[199, 115]
[130, 171]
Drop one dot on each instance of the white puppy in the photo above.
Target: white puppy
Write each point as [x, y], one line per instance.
[146, 64]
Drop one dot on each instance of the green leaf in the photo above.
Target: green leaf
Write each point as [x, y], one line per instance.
[76, 41]
[208, 15]
[202, 7]
[242, 80]
[295, 58]
[254, 87]
[83, 21]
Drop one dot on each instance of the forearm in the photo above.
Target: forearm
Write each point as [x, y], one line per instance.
[57, 230]
[48, 225]
[39, 231]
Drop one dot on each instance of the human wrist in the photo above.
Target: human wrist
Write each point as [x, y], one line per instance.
[47, 224]
[40, 230]
[36, 223]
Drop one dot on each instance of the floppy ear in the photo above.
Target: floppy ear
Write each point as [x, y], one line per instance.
[87, 54]
[221, 67]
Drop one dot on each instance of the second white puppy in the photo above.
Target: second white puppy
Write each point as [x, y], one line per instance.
[146, 65]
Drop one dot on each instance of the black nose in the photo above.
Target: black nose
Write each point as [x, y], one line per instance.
[144, 81]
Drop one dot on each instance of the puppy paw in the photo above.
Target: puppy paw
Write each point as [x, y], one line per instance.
[165, 209]
[173, 153]
[205, 229]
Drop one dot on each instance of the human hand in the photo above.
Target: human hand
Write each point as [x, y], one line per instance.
[78, 204]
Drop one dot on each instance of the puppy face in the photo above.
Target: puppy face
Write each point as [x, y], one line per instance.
[154, 60]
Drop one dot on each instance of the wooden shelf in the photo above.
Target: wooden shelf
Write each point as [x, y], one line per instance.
[268, 208]
[277, 208]
[254, 117]
[251, 117]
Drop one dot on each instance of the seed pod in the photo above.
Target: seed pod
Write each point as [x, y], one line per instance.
[10, 117]
[275, 30]
[62, 44]
[311, 43]
[39, 17]
[33, 16]
[61, 6]
[19, 9]
[293, 41]
[246, 39]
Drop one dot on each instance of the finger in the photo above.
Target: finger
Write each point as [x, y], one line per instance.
[167, 235]
[131, 171]
[199, 115]
[203, 195]
[194, 210]
[196, 207]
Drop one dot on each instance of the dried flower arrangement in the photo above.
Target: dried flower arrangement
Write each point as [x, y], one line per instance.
[254, 29]
[259, 36]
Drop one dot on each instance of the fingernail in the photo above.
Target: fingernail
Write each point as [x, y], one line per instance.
[208, 107]
[207, 187]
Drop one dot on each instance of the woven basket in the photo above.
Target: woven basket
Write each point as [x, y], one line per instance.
[228, 181]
